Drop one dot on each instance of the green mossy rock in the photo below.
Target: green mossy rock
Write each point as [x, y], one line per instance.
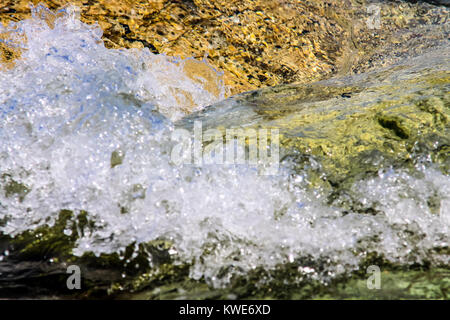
[352, 126]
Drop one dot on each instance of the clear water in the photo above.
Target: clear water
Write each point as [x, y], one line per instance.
[69, 104]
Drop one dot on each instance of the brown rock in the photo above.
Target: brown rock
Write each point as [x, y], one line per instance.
[256, 43]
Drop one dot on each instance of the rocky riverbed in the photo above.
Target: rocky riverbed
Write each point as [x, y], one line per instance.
[360, 109]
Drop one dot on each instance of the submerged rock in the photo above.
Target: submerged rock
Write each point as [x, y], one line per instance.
[352, 126]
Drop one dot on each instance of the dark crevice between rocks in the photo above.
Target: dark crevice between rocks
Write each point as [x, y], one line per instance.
[393, 125]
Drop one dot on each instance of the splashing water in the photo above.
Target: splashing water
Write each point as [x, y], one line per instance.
[88, 128]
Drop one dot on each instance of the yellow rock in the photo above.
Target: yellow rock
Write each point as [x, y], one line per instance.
[256, 37]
